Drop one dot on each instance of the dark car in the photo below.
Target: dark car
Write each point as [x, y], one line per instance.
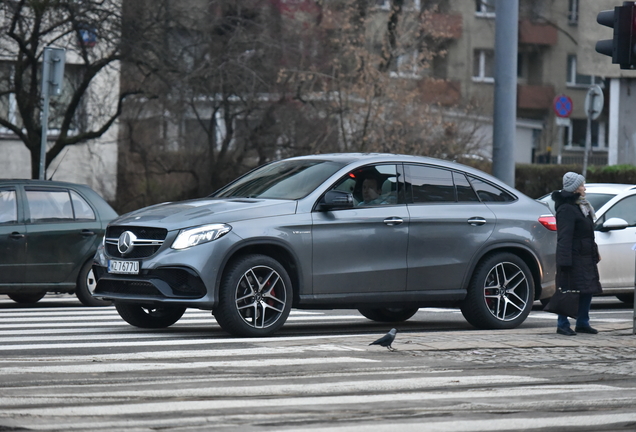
[308, 233]
[49, 232]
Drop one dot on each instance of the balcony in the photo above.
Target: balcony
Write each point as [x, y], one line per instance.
[535, 97]
[444, 26]
[438, 91]
[537, 33]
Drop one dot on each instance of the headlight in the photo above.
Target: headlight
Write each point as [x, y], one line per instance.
[198, 235]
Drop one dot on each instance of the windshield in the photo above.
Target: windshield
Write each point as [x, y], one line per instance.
[288, 179]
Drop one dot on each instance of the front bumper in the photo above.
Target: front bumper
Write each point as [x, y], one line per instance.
[186, 277]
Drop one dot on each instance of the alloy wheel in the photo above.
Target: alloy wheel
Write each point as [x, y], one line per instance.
[506, 291]
[261, 297]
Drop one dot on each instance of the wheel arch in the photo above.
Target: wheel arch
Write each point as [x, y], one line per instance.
[274, 249]
[527, 255]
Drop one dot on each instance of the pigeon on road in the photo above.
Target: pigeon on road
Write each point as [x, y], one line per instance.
[386, 340]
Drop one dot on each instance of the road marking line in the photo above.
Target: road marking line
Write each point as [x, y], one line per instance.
[494, 424]
[48, 323]
[98, 368]
[184, 354]
[313, 400]
[302, 390]
[109, 311]
[180, 341]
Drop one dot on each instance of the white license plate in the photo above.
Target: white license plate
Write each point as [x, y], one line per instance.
[123, 267]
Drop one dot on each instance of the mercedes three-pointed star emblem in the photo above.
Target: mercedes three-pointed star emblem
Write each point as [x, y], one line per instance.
[126, 241]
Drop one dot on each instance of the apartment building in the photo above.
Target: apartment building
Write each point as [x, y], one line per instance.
[551, 40]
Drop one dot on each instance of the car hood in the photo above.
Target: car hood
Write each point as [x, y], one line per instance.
[205, 210]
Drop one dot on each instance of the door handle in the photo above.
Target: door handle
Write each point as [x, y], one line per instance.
[16, 235]
[393, 221]
[475, 221]
[87, 233]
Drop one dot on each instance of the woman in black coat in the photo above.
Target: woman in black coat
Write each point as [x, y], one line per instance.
[577, 252]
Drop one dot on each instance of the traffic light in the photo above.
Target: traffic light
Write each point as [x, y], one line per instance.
[621, 47]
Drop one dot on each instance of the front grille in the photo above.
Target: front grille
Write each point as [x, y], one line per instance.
[140, 232]
[147, 243]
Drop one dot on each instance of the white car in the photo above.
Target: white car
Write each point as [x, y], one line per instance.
[615, 207]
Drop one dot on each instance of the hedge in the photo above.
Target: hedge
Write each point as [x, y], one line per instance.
[538, 180]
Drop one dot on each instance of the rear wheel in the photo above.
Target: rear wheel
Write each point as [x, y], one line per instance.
[500, 294]
[32, 297]
[86, 284]
[388, 314]
[149, 316]
[255, 297]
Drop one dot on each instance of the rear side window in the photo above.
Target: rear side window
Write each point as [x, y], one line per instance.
[488, 192]
[464, 191]
[81, 208]
[8, 207]
[429, 184]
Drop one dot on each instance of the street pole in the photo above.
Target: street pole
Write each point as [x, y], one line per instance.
[505, 110]
[594, 101]
[46, 70]
[53, 61]
[588, 144]
[560, 154]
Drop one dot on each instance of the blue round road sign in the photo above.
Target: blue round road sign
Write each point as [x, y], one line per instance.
[562, 106]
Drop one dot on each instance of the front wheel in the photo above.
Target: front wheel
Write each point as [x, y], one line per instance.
[32, 297]
[86, 284]
[388, 314]
[500, 294]
[152, 317]
[255, 297]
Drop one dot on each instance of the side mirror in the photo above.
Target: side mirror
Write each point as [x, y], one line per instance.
[613, 224]
[336, 199]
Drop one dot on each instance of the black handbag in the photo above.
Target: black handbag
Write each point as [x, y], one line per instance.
[564, 302]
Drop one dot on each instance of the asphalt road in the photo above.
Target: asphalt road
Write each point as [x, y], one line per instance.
[64, 367]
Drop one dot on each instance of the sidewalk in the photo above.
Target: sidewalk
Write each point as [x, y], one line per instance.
[610, 335]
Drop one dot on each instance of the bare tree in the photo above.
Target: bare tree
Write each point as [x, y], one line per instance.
[376, 83]
[90, 32]
[229, 85]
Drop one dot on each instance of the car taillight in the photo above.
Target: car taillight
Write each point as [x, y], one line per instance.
[549, 222]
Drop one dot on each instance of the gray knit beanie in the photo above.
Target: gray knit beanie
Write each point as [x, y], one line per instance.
[572, 181]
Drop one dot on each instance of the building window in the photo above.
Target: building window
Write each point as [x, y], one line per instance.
[575, 134]
[573, 12]
[484, 66]
[576, 79]
[485, 8]
[57, 104]
[8, 109]
[406, 66]
[408, 5]
[522, 67]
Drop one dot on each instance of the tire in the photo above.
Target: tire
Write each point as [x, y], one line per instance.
[86, 285]
[255, 297]
[388, 314]
[626, 298]
[152, 317]
[31, 297]
[500, 294]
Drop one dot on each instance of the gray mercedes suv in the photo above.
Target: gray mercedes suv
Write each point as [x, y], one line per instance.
[384, 234]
